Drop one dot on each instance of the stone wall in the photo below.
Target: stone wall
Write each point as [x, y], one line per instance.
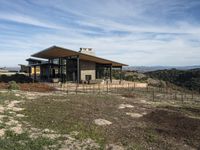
[87, 68]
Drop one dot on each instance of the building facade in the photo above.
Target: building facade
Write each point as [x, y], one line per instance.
[56, 64]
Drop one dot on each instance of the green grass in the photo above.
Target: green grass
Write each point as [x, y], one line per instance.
[13, 141]
[8, 96]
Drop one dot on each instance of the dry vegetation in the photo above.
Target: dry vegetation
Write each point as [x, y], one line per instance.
[57, 120]
[32, 87]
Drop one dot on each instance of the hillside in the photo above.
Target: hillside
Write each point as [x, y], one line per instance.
[189, 79]
[136, 76]
[144, 69]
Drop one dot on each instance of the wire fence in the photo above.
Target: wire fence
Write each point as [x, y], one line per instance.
[149, 92]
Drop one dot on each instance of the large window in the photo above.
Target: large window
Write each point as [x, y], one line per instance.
[102, 71]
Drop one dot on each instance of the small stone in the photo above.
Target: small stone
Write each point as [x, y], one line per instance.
[122, 106]
[2, 132]
[134, 115]
[102, 122]
[17, 95]
[20, 115]
[114, 147]
[17, 129]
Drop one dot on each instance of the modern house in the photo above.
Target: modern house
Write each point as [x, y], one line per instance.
[61, 64]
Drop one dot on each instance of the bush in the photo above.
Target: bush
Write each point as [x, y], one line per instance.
[12, 85]
[19, 78]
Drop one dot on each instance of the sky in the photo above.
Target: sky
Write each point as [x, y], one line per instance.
[134, 32]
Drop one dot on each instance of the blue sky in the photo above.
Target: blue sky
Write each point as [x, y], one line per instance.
[135, 32]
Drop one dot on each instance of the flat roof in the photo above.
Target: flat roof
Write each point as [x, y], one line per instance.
[59, 52]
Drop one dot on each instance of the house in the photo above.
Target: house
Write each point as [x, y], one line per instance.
[61, 64]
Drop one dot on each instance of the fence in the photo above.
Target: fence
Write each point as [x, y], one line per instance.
[152, 93]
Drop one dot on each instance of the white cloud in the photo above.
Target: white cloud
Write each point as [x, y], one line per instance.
[151, 38]
[20, 18]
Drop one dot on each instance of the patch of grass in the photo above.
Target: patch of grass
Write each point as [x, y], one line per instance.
[12, 85]
[5, 119]
[24, 142]
[151, 136]
[2, 125]
[67, 113]
[64, 116]
[8, 96]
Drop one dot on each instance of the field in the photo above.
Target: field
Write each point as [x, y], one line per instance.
[61, 120]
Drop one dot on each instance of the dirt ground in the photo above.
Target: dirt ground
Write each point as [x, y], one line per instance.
[100, 121]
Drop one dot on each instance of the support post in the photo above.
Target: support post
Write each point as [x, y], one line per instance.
[66, 69]
[111, 73]
[78, 69]
[48, 69]
[61, 70]
[29, 71]
[120, 74]
[34, 73]
[49, 74]
[41, 72]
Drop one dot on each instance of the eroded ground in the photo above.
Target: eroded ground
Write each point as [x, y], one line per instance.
[56, 120]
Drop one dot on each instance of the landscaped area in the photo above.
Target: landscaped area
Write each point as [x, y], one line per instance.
[61, 120]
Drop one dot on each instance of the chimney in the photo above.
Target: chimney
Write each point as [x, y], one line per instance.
[88, 51]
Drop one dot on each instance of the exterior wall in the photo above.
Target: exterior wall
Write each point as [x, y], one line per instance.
[87, 68]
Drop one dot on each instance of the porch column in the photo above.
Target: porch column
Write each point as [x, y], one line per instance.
[111, 73]
[78, 69]
[61, 70]
[41, 73]
[29, 72]
[120, 74]
[34, 73]
[66, 69]
[49, 72]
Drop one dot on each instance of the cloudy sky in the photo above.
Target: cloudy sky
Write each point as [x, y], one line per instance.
[135, 32]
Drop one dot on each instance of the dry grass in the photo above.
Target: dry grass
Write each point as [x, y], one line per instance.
[32, 87]
[158, 127]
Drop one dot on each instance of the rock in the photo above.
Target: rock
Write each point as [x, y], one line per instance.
[17, 129]
[114, 147]
[122, 106]
[20, 115]
[2, 132]
[17, 95]
[1, 109]
[102, 122]
[134, 115]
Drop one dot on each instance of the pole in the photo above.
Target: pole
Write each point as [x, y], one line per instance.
[78, 69]
[120, 75]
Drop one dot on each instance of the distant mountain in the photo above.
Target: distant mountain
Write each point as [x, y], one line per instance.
[10, 69]
[144, 69]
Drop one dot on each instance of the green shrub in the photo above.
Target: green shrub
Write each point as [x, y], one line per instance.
[12, 85]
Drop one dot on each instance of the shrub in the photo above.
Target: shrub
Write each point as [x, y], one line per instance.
[19, 78]
[12, 85]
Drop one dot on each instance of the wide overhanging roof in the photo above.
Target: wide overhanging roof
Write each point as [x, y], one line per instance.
[59, 52]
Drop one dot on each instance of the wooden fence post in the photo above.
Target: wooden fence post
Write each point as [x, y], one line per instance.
[99, 87]
[153, 95]
[192, 95]
[107, 86]
[76, 88]
[67, 89]
[182, 96]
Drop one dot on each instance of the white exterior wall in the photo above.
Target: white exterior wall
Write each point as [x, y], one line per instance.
[87, 68]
